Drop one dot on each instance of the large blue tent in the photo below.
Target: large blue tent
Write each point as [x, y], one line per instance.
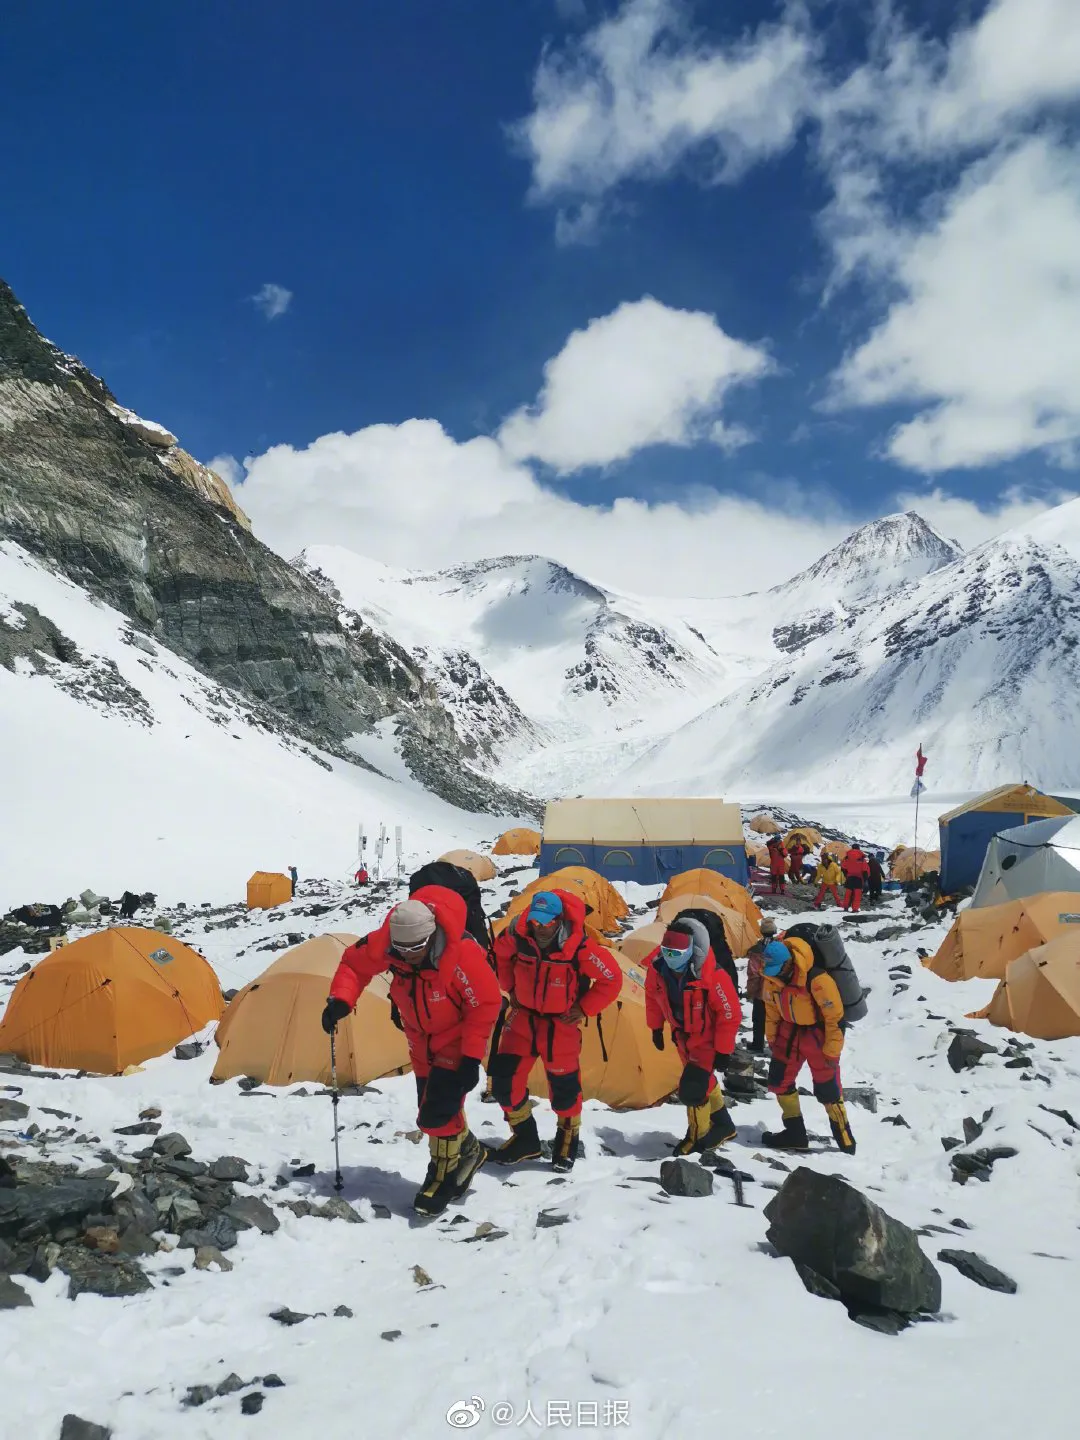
[644, 840]
[967, 831]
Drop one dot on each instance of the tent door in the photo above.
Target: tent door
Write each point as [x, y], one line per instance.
[669, 860]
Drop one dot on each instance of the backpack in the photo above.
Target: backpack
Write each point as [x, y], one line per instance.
[463, 882]
[830, 958]
[718, 941]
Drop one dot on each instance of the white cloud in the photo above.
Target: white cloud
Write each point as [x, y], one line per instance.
[229, 468]
[986, 332]
[644, 375]
[272, 300]
[639, 92]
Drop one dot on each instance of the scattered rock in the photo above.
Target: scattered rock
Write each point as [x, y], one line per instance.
[421, 1277]
[967, 1050]
[972, 1130]
[391, 1335]
[207, 1255]
[864, 1095]
[978, 1163]
[8, 1179]
[216, 1231]
[875, 1261]
[273, 1382]
[249, 1082]
[950, 1142]
[186, 1169]
[12, 1296]
[685, 1177]
[103, 1238]
[91, 1273]
[229, 1167]
[252, 1403]
[13, 1110]
[73, 1427]
[172, 1145]
[230, 1385]
[70, 1199]
[885, 1322]
[975, 1268]
[550, 1219]
[248, 1211]
[150, 1113]
[342, 1312]
[197, 1395]
[1019, 1062]
[1061, 1115]
[142, 1127]
[285, 1316]
[895, 1120]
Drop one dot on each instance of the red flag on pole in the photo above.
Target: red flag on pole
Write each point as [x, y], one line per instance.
[920, 763]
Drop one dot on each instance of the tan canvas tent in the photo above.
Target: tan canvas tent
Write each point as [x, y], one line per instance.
[635, 1074]
[708, 882]
[981, 943]
[764, 825]
[481, 867]
[607, 905]
[272, 1029]
[741, 932]
[908, 866]
[1040, 994]
[519, 841]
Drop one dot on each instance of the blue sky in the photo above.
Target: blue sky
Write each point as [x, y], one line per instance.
[170, 160]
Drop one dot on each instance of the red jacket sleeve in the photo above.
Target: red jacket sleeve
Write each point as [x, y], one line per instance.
[477, 992]
[602, 971]
[357, 968]
[505, 948]
[728, 1012]
[655, 1015]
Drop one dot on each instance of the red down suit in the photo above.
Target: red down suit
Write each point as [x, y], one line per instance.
[701, 1009]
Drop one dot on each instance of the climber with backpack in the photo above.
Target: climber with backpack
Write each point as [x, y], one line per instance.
[688, 991]
[447, 999]
[555, 977]
[856, 871]
[804, 1025]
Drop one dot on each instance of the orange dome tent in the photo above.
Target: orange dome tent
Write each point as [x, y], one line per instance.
[265, 890]
[607, 905]
[707, 882]
[480, 867]
[811, 838]
[908, 866]
[837, 848]
[741, 933]
[271, 1029]
[981, 943]
[519, 841]
[764, 825]
[1040, 994]
[110, 1000]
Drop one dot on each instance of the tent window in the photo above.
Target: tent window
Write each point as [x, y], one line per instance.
[619, 857]
[1008, 862]
[569, 856]
[718, 857]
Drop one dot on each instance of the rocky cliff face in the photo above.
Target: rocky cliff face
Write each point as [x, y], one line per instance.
[114, 503]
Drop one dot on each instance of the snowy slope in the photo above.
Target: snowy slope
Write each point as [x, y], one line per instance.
[604, 1309]
[979, 662]
[123, 767]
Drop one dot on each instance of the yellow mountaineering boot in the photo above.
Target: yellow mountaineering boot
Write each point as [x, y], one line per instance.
[841, 1130]
[438, 1188]
[697, 1117]
[721, 1127]
[524, 1142]
[565, 1150]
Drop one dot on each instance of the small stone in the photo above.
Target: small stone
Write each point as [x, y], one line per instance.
[549, 1219]
[103, 1238]
[150, 1113]
[197, 1395]
[302, 1171]
[141, 1127]
[215, 1231]
[382, 1212]
[90, 1272]
[342, 1312]
[285, 1316]
[12, 1296]
[73, 1427]
[391, 1335]
[249, 1082]
[864, 1095]
[484, 1228]
[229, 1167]
[1020, 1062]
[686, 1178]
[207, 1255]
[421, 1277]
[252, 1403]
[173, 1145]
[249, 1211]
[967, 1050]
[230, 1385]
[273, 1382]
[972, 1130]
[960, 1224]
[191, 1051]
[950, 1142]
[337, 1208]
[186, 1169]
[975, 1268]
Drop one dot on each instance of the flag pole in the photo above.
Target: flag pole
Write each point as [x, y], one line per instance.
[918, 797]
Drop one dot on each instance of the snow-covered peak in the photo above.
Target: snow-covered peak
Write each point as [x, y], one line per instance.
[522, 574]
[876, 559]
[1060, 526]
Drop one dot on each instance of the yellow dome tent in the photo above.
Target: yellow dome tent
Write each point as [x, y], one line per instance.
[837, 848]
[110, 1000]
[741, 933]
[981, 943]
[764, 825]
[1040, 994]
[519, 841]
[811, 838]
[265, 890]
[481, 867]
[708, 882]
[607, 905]
[272, 1029]
[908, 866]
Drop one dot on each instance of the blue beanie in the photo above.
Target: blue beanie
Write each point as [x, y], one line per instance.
[777, 956]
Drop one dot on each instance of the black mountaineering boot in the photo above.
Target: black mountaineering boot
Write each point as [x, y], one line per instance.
[524, 1142]
[567, 1143]
[792, 1137]
[438, 1188]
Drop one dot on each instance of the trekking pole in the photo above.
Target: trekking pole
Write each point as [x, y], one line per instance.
[335, 1099]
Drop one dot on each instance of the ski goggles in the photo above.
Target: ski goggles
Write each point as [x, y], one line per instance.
[676, 959]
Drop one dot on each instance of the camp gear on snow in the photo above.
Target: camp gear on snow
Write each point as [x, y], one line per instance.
[658, 1037]
[335, 1098]
[738, 931]
[776, 956]
[462, 881]
[335, 1010]
[113, 999]
[604, 906]
[831, 957]
[480, 867]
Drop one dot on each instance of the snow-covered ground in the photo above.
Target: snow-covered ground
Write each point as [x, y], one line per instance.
[665, 1314]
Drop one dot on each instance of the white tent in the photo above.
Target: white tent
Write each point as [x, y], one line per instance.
[1030, 860]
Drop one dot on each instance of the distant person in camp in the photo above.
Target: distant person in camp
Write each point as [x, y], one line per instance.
[755, 974]
[293, 878]
[361, 876]
[797, 853]
[686, 990]
[447, 999]
[856, 869]
[555, 978]
[777, 865]
[828, 877]
[875, 878]
[803, 1011]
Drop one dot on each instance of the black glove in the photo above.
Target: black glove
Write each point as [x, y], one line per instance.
[721, 1062]
[658, 1038]
[694, 1085]
[395, 1016]
[335, 1010]
[468, 1073]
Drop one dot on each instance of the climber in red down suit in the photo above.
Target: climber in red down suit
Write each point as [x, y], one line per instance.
[448, 1001]
[555, 977]
[856, 872]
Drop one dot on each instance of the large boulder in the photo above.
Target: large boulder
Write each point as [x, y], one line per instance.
[875, 1262]
[70, 1200]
